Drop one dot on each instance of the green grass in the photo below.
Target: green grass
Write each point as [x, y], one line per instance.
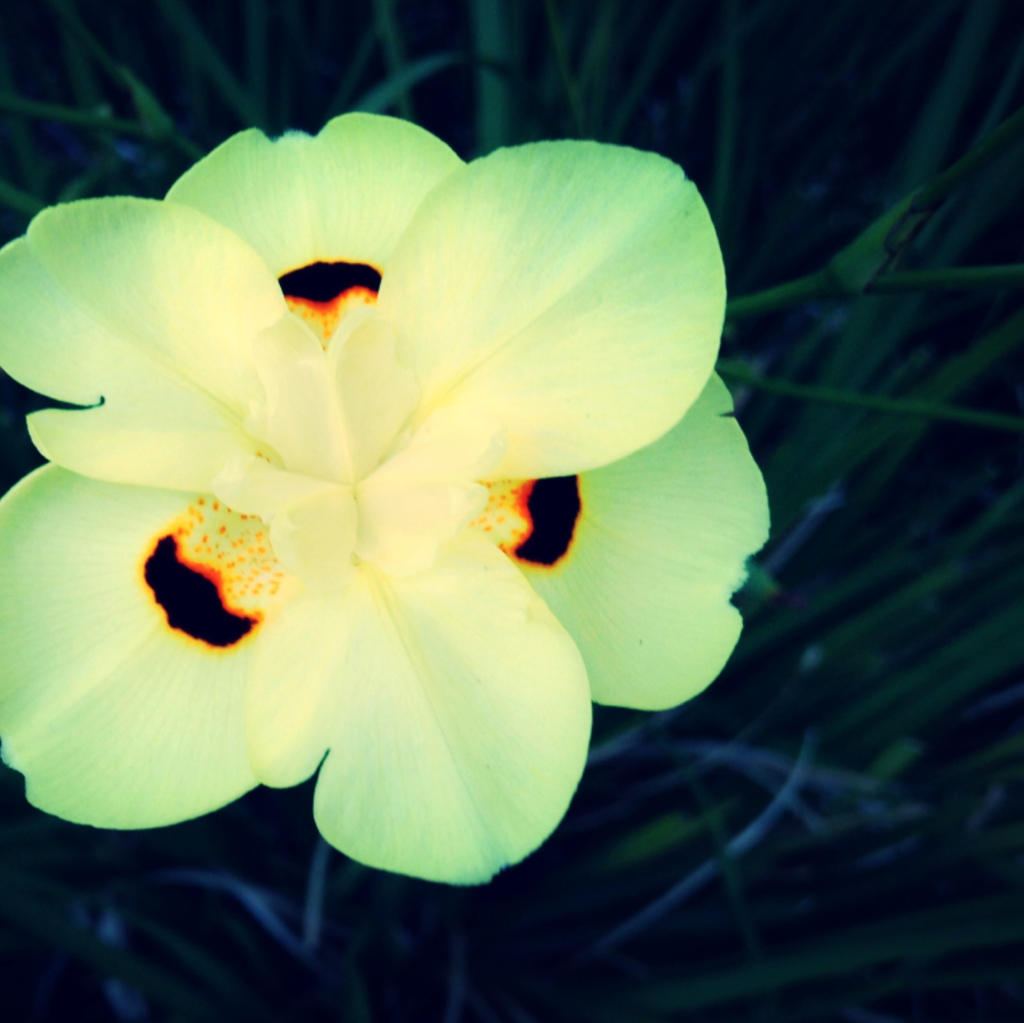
[832, 831]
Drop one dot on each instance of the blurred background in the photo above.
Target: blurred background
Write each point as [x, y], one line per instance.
[835, 829]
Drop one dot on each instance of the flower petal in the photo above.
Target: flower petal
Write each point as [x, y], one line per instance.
[658, 549]
[460, 724]
[571, 290]
[176, 440]
[316, 536]
[111, 704]
[375, 395]
[295, 664]
[345, 194]
[148, 311]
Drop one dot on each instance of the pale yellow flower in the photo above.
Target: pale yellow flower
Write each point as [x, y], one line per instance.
[389, 465]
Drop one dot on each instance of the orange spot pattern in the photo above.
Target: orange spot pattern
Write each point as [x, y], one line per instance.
[324, 317]
[506, 517]
[533, 521]
[230, 550]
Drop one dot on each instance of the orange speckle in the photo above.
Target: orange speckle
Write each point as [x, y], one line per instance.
[324, 317]
[217, 552]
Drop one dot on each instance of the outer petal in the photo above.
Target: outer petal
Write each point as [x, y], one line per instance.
[659, 547]
[345, 194]
[461, 723]
[574, 291]
[294, 683]
[115, 718]
[149, 308]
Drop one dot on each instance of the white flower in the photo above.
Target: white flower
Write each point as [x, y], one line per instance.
[390, 465]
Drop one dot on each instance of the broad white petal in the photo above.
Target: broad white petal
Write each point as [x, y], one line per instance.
[572, 291]
[659, 547]
[149, 437]
[344, 194]
[147, 310]
[120, 710]
[460, 723]
[292, 686]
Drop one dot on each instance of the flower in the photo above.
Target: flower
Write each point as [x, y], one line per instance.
[384, 464]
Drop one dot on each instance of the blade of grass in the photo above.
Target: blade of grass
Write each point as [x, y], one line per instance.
[728, 119]
[207, 965]
[565, 74]
[195, 42]
[389, 92]
[49, 926]
[356, 68]
[733, 370]
[952, 278]
[255, 19]
[922, 936]
[493, 98]
[661, 35]
[19, 200]
[98, 120]
[394, 54]
[753, 833]
[928, 145]
[29, 165]
[859, 264]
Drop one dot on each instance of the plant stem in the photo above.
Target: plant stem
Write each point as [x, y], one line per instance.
[744, 374]
[17, 199]
[68, 115]
[860, 266]
[1009, 275]
[800, 289]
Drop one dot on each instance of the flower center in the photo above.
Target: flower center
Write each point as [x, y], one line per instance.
[347, 472]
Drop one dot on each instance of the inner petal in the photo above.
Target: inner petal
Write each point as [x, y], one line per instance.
[425, 495]
[374, 394]
[297, 415]
[312, 521]
[334, 414]
[321, 292]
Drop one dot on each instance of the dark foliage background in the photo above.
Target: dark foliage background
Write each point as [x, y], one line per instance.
[834, 831]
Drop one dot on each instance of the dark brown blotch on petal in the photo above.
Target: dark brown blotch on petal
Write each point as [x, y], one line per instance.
[553, 506]
[324, 282]
[190, 596]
